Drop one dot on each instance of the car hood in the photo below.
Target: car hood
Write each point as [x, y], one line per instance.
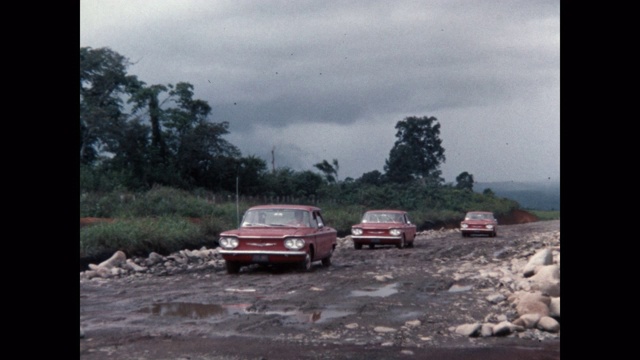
[378, 225]
[478, 222]
[272, 232]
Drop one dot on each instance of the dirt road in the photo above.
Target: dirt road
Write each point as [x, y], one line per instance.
[382, 303]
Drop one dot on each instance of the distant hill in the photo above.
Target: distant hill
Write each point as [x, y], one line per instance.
[530, 195]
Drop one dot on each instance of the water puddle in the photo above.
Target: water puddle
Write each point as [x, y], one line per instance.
[203, 311]
[195, 310]
[381, 292]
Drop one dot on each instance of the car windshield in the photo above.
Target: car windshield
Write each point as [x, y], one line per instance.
[378, 217]
[478, 216]
[276, 217]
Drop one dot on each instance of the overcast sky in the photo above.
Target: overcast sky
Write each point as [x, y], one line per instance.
[323, 80]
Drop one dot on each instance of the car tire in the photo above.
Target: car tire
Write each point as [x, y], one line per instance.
[494, 234]
[305, 265]
[326, 262]
[233, 267]
[357, 246]
[401, 244]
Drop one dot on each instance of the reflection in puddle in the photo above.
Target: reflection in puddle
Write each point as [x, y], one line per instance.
[201, 311]
[195, 310]
[382, 292]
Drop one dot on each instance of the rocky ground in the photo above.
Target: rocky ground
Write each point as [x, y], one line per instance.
[449, 297]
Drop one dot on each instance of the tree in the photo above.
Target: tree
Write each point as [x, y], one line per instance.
[374, 177]
[488, 192]
[464, 181]
[417, 152]
[103, 82]
[330, 171]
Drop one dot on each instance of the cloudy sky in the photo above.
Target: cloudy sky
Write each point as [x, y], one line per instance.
[323, 80]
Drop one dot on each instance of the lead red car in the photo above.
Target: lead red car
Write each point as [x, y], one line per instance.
[384, 227]
[279, 234]
[479, 222]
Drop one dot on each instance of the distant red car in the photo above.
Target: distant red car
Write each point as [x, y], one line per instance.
[279, 234]
[479, 222]
[384, 227]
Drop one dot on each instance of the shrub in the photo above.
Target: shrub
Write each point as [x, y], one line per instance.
[139, 237]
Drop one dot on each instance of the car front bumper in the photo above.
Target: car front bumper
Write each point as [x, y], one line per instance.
[261, 256]
[382, 240]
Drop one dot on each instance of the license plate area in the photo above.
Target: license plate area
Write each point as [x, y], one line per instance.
[260, 258]
[375, 241]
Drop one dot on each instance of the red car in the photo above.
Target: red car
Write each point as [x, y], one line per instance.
[384, 227]
[279, 234]
[479, 222]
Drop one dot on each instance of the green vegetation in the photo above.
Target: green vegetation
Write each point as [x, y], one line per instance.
[165, 220]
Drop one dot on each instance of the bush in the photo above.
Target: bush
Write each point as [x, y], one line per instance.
[139, 237]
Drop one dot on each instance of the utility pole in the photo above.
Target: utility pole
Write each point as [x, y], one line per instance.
[273, 160]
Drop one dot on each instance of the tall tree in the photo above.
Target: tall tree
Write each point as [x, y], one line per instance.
[330, 171]
[464, 181]
[417, 152]
[103, 82]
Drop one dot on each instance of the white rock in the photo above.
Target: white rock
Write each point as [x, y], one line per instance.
[541, 258]
[413, 323]
[495, 298]
[528, 321]
[548, 323]
[383, 329]
[486, 330]
[468, 329]
[547, 280]
[554, 307]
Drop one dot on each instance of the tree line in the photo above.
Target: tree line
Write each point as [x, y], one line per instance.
[134, 136]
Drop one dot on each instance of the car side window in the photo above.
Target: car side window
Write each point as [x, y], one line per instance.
[314, 220]
[318, 219]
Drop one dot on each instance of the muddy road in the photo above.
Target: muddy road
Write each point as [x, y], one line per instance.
[382, 303]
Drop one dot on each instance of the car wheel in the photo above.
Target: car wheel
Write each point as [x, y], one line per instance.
[326, 261]
[233, 267]
[372, 246]
[410, 245]
[306, 264]
[494, 234]
[357, 246]
[401, 244]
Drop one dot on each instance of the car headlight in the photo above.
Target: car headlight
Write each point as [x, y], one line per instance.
[489, 226]
[356, 231]
[395, 232]
[463, 226]
[294, 243]
[228, 242]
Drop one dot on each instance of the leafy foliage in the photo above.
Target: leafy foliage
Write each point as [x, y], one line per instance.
[464, 181]
[417, 152]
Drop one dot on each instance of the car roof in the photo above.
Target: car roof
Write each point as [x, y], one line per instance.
[285, 206]
[479, 212]
[387, 211]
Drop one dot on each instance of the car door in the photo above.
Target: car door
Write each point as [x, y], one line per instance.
[410, 229]
[324, 236]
